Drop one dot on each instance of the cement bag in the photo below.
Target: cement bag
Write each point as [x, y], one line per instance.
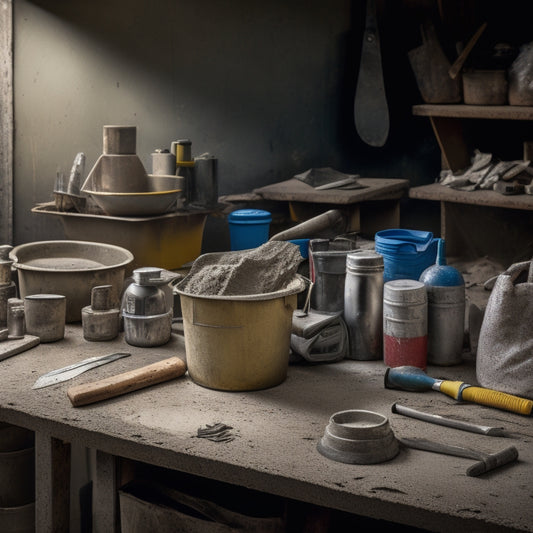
[505, 350]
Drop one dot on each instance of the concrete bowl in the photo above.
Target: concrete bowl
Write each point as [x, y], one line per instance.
[70, 268]
[358, 437]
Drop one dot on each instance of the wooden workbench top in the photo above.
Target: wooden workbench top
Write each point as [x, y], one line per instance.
[295, 190]
[277, 431]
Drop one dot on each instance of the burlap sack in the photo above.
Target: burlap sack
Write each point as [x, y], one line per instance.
[505, 350]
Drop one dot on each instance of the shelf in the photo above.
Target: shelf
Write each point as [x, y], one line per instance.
[483, 223]
[446, 121]
[500, 112]
[441, 193]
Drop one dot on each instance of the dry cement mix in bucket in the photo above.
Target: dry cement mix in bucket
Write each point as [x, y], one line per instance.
[237, 316]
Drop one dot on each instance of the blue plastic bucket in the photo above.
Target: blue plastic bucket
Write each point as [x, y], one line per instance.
[248, 228]
[406, 253]
[304, 246]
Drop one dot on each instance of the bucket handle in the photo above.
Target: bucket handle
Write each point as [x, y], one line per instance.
[202, 325]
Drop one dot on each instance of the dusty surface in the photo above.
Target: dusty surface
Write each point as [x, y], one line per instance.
[277, 431]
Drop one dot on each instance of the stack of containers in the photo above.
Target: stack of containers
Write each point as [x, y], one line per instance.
[17, 479]
[406, 255]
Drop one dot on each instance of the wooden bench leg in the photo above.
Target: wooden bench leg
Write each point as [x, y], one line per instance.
[52, 484]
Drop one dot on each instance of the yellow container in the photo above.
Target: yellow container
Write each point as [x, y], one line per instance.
[167, 241]
[239, 343]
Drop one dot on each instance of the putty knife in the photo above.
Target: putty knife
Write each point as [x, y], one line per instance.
[71, 371]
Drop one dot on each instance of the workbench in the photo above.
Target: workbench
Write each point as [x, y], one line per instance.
[276, 430]
[373, 207]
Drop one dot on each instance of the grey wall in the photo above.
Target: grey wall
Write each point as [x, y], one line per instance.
[266, 87]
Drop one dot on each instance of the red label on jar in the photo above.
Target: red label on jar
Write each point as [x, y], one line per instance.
[398, 351]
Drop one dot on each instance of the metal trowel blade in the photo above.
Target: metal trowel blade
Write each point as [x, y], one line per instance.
[68, 372]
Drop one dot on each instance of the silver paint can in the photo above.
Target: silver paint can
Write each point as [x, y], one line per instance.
[328, 262]
[363, 305]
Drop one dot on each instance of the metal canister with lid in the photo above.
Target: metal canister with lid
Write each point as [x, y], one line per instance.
[146, 308]
[144, 296]
[363, 305]
[446, 311]
[405, 323]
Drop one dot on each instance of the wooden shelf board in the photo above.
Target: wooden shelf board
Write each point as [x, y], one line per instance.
[503, 112]
[442, 193]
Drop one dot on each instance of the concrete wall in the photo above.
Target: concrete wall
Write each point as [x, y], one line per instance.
[266, 87]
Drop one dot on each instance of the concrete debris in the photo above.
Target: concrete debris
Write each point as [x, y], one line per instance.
[487, 173]
[217, 432]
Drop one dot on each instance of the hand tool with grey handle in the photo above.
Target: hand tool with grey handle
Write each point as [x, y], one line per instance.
[449, 422]
[486, 461]
[68, 372]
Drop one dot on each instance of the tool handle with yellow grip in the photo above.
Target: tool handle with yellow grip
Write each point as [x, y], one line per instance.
[501, 400]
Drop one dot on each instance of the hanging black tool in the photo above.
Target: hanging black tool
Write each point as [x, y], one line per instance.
[371, 111]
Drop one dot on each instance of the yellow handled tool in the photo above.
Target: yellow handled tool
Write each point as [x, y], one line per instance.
[412, 378]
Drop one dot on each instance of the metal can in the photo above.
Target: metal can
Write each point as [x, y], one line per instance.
[405, 323]
[363, 305]
[446, 318]
[328, 260]
[446, 310]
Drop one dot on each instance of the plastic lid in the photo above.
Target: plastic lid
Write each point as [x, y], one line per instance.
[247, 215]
[396, 237]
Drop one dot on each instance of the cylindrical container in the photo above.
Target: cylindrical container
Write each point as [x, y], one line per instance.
[163, 163]
[405, 324]
[248, 228]
[446, 311]
[485, 87]
[8, 289]
[239, 343]
[147, 330]
[143, 296]
[406, 253]
[120, 140]
[13, 438]
[363, 305]
[205, 184]
[182, 149]
[329, 273]
[20, 519]
[16, 322]
[17, 477]
[45, 316]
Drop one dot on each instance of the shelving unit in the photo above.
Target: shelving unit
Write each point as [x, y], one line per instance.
[483, 222]
[446, 121]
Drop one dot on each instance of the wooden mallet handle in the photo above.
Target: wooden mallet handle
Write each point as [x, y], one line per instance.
[139, 378]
